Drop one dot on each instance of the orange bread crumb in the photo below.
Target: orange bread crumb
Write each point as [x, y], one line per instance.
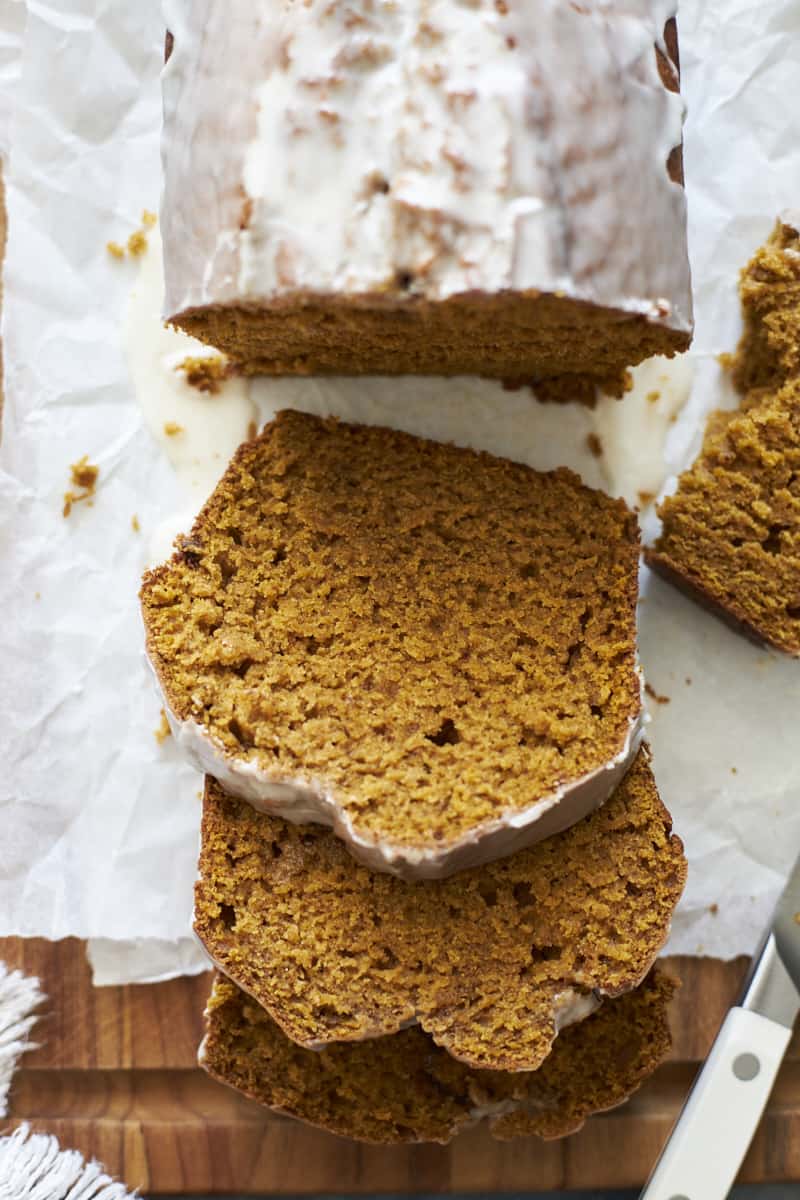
[136, 244]
[163, 732]
[83, 475]
[206, 373]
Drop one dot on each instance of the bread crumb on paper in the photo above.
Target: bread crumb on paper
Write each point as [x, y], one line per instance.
[172, 428]
[83, 476]
[163, 732]
[135, 526]
[206, 373]
[594, 444]
[136, 244]
[653, 694]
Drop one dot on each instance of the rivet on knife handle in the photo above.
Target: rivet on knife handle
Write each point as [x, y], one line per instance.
[715, 1128]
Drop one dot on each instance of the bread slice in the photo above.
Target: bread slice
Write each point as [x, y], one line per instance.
[491, 963]
[769, 290]
[731, 532]
[431, 649]
[404, 1088]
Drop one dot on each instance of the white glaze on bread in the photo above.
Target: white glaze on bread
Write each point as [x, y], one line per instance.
[334, 146]
[303, 800]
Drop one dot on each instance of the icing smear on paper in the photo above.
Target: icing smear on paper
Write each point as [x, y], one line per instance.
[199, 431]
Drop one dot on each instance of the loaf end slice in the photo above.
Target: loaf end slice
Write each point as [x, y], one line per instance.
[404, 1088]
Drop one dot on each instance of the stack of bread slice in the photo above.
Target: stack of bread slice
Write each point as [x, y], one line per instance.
[435, 870]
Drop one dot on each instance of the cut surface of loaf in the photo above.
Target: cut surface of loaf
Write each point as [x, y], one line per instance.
[431, 188]
[404, 1088]
[491, 962]
[431, 649]
[731, 532]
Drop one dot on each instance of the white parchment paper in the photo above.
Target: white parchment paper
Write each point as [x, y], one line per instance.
[100, 820]
[12, 28]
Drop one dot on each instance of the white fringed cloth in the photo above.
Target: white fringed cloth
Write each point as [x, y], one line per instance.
[20, 996]
[32, 1165]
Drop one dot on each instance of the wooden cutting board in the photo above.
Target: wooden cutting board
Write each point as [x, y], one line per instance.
[115, 1077]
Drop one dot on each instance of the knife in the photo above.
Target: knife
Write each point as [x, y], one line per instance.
[714, 1129]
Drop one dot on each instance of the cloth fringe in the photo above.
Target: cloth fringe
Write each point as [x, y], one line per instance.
[20, 995]
[32, 1167]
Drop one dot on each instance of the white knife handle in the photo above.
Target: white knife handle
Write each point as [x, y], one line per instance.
[705, 1149]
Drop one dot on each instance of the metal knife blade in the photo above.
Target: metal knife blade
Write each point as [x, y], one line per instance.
[772, 985]
[769, 988]
[786, 925]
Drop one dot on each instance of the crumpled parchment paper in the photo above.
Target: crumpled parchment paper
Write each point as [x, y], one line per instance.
[100, 821]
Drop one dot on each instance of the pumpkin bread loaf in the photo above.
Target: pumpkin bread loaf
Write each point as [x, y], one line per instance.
[404, 1088]
[460, 188]
[431, 649]
[491, 962]
[731, 532]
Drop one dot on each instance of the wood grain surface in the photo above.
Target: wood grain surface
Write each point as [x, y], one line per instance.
[115, 1077]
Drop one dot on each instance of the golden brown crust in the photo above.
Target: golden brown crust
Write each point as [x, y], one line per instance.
[669, 69]
[349, 608]
[403, 1088]
[672, 81]
[572, 389]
